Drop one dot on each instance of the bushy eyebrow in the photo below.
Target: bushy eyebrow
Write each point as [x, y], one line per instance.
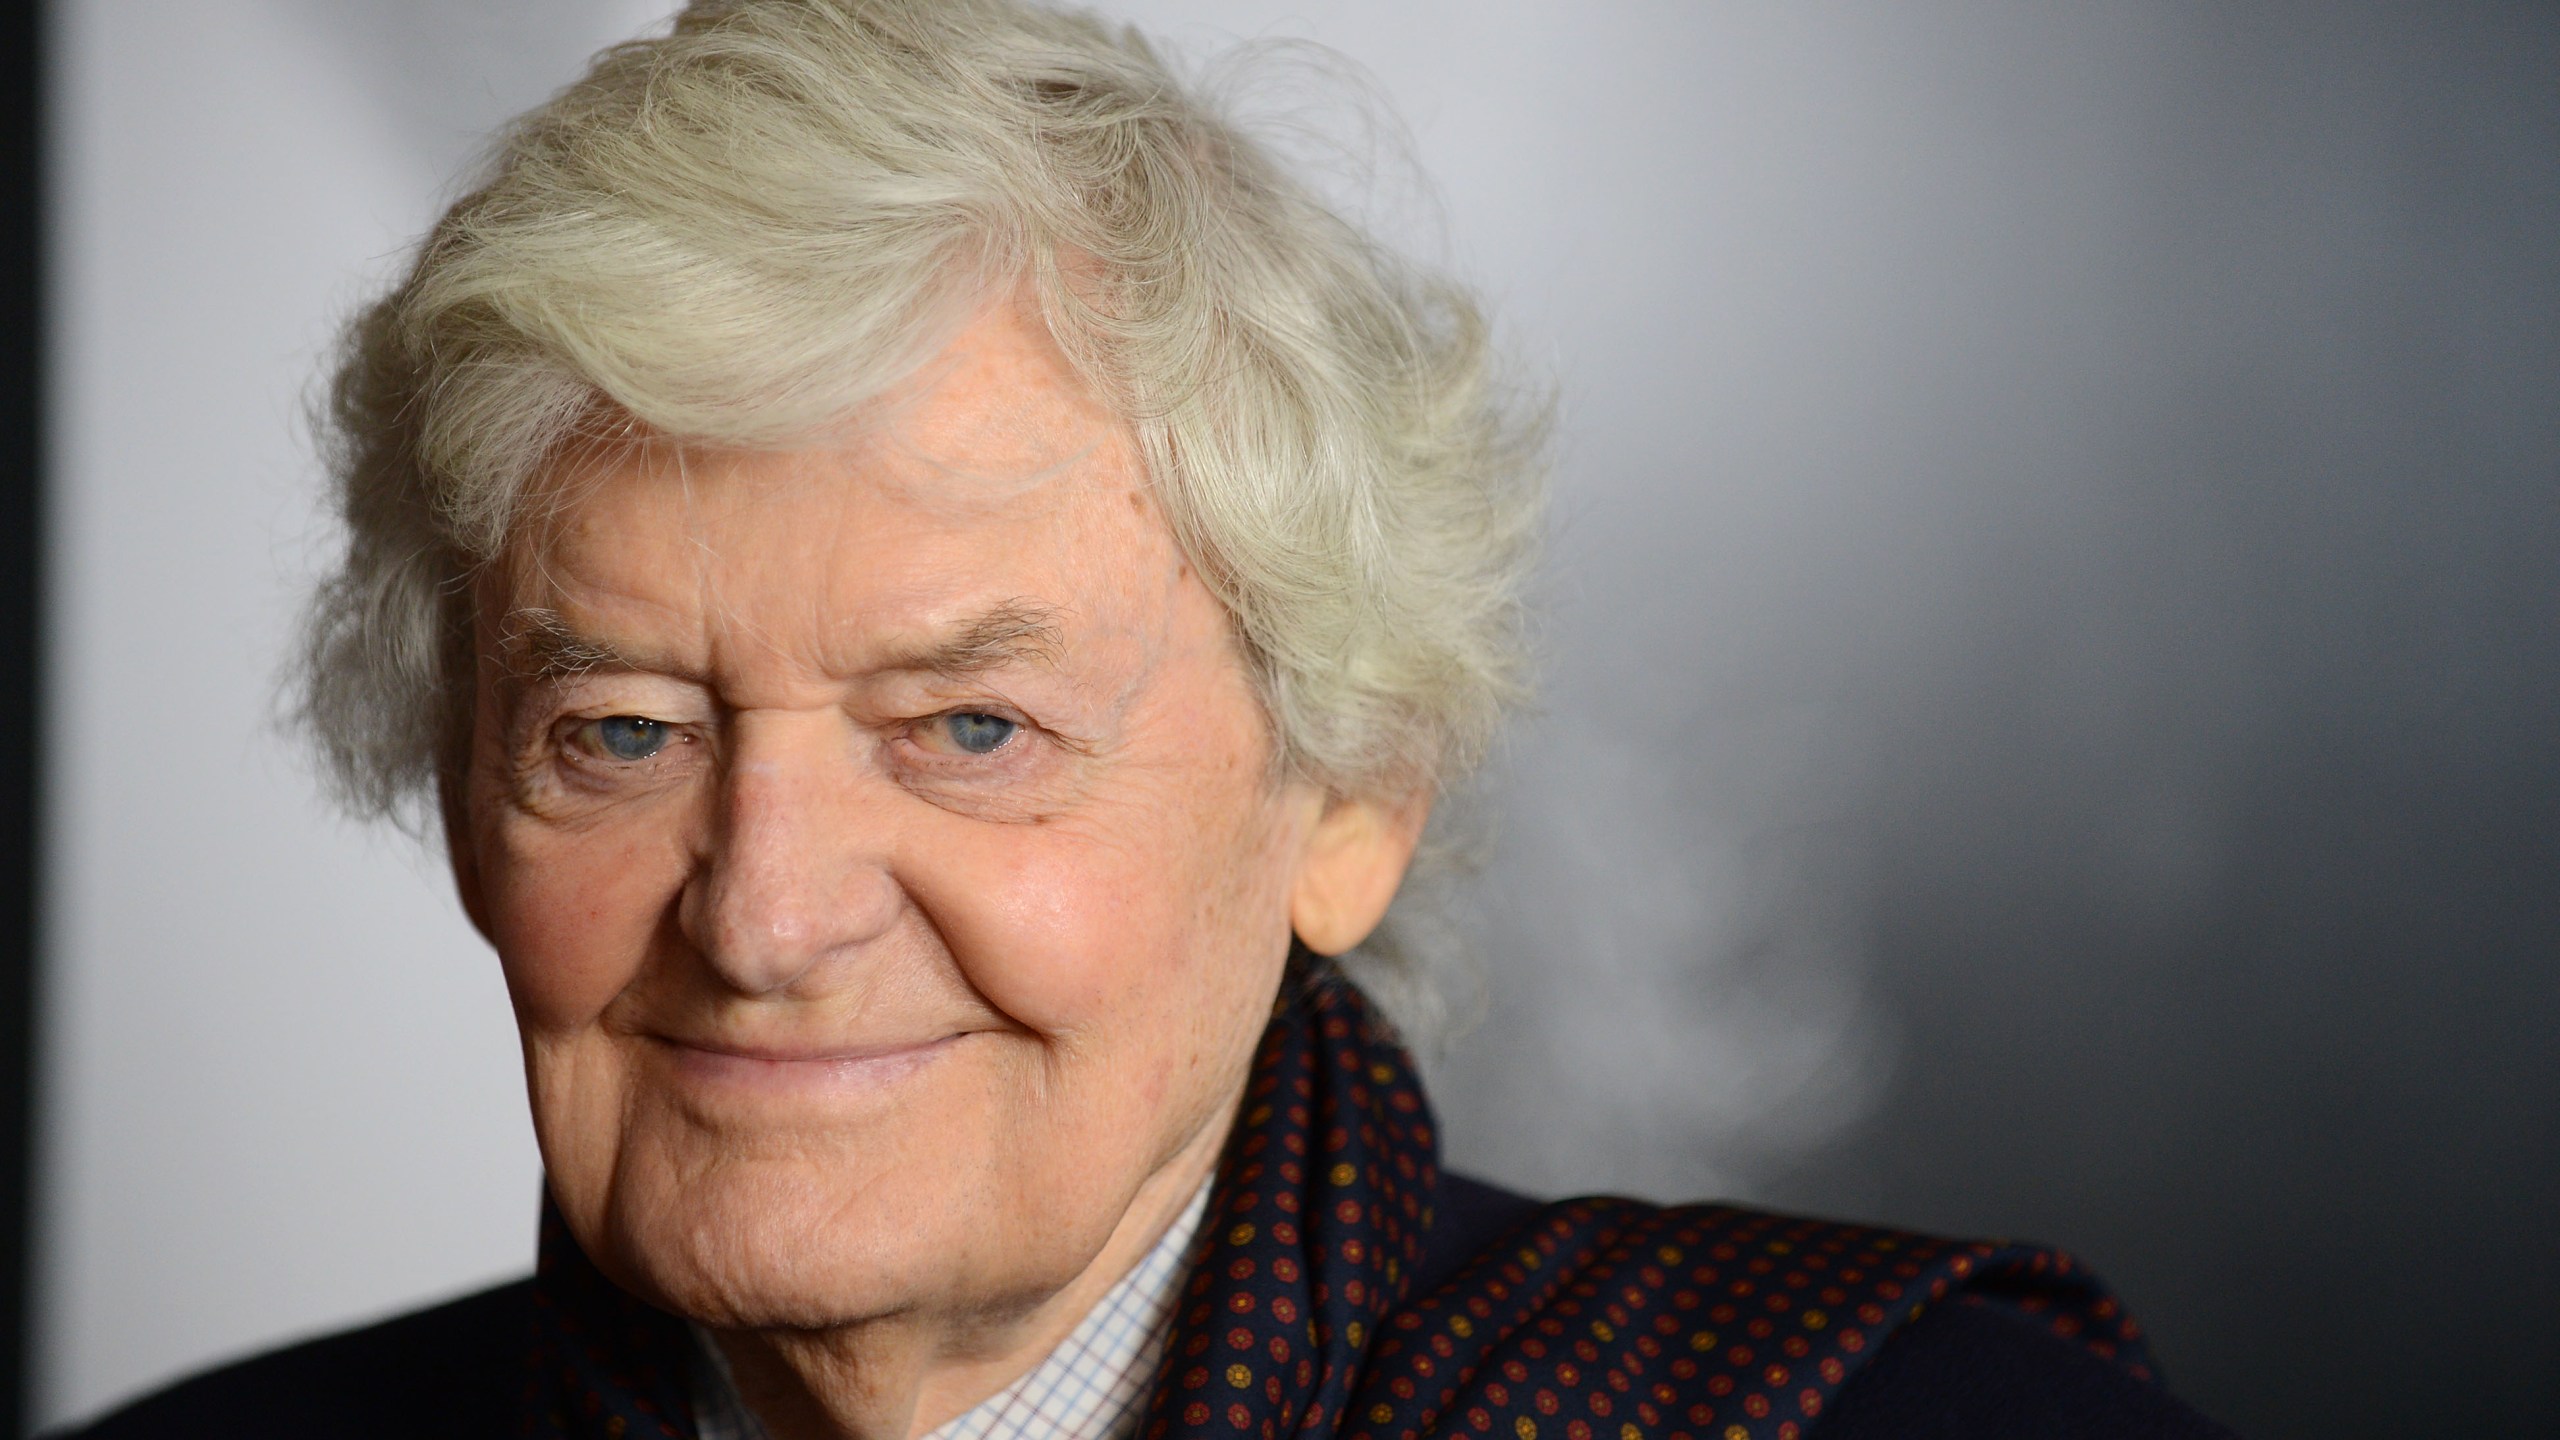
[1012, 632]
[540, 645]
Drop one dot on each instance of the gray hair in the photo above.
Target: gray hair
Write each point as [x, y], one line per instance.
[739, 232]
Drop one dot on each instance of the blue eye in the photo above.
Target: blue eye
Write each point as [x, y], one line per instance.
[630, 737]
[977, 733]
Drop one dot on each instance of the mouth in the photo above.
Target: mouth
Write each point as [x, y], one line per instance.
[798, 1069]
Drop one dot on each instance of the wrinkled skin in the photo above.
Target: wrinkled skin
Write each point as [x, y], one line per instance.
[885, 849]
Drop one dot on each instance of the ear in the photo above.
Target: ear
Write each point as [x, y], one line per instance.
[1355, 858]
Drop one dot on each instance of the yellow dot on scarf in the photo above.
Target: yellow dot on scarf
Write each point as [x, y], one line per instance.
[1459, 1326]
[1815, 1319]
[1379, 1414]
[1703, 1340]
[1342, 1173]
[1242, 1234]
[1240, 1377]
[1525, 1428]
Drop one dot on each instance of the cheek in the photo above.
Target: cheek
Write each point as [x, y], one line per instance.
[574, 917]
[1058, 929]
[1144, 925]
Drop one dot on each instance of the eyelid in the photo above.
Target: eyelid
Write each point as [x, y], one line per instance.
[612, 690]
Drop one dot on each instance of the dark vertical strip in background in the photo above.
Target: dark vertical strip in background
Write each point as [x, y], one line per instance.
[22, 407]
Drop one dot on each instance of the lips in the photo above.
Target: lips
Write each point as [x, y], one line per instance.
[803, 1067]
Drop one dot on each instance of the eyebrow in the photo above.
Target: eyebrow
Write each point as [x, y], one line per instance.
[543, 646]
[1011, 632]
[554, 649]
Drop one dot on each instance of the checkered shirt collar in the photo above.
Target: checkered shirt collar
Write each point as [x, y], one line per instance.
[1092, 1387]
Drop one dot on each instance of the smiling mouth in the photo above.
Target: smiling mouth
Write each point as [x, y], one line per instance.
[826, 1068]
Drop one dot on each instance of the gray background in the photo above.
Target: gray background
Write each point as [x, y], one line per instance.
[2051, 677]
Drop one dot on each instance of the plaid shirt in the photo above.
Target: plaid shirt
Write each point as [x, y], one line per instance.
[1092, 1387]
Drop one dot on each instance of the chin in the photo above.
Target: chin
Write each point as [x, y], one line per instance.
[768, 1242]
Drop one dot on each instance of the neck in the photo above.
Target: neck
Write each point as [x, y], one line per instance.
[901, 1377]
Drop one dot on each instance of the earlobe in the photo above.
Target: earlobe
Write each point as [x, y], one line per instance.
[1355, 858]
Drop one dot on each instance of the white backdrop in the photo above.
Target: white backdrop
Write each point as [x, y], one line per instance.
[1986, 427]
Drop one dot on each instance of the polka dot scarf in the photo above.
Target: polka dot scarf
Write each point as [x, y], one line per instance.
[1593, 1319]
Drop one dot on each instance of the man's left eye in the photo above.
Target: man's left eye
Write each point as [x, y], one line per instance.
[977, 733]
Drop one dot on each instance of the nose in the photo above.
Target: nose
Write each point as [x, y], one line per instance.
[796, 879]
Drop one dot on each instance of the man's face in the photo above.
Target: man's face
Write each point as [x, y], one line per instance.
[883, 850]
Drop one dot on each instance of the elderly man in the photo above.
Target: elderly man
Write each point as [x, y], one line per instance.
[928, 587]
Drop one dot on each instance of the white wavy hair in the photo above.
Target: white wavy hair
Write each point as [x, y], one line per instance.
[739, 232]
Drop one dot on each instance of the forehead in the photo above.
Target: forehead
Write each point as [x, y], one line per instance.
[995, 478]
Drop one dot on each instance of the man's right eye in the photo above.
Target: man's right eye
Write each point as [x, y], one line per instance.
[626, 737]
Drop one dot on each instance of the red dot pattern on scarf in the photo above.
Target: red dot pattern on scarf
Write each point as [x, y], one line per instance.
[1598, 1319]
